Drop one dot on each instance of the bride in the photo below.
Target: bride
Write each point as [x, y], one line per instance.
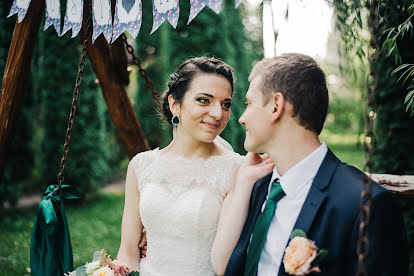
[179, 194]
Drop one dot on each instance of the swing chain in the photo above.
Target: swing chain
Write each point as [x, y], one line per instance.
[78, 82]
[363, 241]
[142, 71]
[366, 185]
[372, 84]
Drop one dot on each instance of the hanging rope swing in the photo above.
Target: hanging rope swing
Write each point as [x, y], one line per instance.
[51, 249]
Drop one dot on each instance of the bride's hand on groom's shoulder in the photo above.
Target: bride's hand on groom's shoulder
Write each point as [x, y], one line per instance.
[254, 167]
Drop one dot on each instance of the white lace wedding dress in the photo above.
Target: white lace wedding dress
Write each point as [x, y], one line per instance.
[180, 201]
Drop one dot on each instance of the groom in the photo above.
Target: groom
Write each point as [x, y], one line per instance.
[310, 188]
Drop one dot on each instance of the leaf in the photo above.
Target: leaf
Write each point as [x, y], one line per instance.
[297, 233]
[134, 273]
[319, 258]
[409, 95]
[410, 102]
[409, 75]
[405, 72]
[96, 255]
[81, 271]
[400, 67]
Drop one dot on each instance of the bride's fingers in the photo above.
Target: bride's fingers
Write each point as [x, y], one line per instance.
[268, 161]
[253, 158]
[265, 156]
[143, 240]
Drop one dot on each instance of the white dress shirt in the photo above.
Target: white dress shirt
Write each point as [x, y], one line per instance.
[296, 183]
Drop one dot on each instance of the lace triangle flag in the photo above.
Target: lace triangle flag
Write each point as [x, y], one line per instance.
[128, 16]
[52, 15]
[165, 9]
[102, 19]
[20, 7]
[73, 17]
[198, 5]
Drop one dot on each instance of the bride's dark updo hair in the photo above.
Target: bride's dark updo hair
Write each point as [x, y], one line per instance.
[180, 80]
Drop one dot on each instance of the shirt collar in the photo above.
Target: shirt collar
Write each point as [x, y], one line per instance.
[302, 173]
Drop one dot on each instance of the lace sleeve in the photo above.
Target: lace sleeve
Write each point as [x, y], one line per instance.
[234, 163]
[141, 164]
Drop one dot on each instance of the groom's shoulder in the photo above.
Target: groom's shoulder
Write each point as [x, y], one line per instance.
[347, 180]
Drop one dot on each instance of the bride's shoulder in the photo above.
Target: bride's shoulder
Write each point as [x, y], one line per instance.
[144, 157]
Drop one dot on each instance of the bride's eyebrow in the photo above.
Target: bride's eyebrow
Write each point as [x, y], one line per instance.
[211, 96]
[207, 95]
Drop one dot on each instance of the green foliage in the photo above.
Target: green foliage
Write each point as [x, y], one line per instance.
[87, 158]
[390, 44]
[350, 21]
[345, 114]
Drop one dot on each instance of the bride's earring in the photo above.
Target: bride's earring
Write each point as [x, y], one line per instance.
[175, 120]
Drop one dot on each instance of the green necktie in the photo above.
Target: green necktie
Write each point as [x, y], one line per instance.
[260, 229]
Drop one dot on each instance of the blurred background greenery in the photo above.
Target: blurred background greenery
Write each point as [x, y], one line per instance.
[97, 158]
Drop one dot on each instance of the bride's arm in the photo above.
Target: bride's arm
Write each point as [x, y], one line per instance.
[131, 223]
[235, 209]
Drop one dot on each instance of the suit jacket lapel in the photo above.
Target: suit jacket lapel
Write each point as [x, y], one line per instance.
[316, 194]
[315, 197]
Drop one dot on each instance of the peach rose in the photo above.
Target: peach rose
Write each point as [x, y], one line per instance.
[299, 255]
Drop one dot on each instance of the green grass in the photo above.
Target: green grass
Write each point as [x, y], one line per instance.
[92, 226]
[97, 224]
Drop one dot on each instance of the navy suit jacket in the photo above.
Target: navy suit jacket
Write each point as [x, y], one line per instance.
[330, 216]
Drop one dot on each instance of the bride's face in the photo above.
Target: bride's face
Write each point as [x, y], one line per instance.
[205, 109]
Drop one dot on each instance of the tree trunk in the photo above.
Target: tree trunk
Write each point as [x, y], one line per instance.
[16, 74]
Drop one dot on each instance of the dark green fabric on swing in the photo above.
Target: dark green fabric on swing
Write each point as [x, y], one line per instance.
[50, 248]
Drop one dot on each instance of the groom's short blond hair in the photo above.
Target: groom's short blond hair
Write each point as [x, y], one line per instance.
[301, 81]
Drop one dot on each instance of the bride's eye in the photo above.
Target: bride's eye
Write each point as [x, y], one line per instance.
[227, 105]
[203, 100]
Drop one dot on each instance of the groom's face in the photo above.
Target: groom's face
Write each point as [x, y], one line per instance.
[256, 118]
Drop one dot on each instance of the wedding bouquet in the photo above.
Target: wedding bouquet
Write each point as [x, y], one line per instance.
[103, 265]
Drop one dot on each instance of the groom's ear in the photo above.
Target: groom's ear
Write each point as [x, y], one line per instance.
[277, 103]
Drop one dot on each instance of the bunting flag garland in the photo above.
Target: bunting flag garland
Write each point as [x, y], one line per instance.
[165, 9]
[52, 15]
[20, 7]
[237, 3]
[198, 5]
[128, 16]
[73, 17]
[102, 19]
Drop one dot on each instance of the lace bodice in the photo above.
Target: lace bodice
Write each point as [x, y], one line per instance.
[180, 202]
